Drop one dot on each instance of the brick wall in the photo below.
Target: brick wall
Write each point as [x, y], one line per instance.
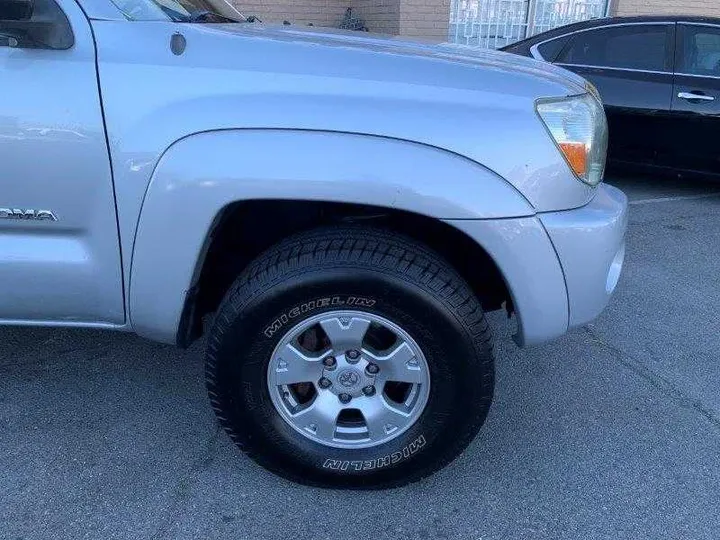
[422, 19]
[427, 19]
[381, 16]
[318, 12]
[660, 7]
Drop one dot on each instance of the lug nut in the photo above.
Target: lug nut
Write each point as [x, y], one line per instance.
[324, 383]
[329, 362]
[373, 369]
[352, 355]
[369, 390]
[344, 398]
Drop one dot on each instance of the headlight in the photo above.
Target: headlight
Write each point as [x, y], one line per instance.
[579, 128]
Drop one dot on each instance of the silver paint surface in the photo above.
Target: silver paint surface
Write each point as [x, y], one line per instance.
[53, 155]
[257, 112]
[590, 244]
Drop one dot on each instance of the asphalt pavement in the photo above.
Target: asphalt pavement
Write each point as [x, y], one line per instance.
[612, 431]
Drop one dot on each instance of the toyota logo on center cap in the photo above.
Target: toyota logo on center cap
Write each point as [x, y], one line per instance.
[349, 378]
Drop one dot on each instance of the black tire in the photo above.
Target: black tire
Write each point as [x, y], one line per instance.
[402, 281]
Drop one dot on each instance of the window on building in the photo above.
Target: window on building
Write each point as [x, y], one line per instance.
[631, 47]
[701, 51]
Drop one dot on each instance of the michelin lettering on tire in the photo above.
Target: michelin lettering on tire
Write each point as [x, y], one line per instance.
[308, 307]
[385, 461]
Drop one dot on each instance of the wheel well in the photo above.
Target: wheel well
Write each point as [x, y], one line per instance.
[245, 229]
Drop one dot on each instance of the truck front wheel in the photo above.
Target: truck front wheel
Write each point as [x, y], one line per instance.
[350, 357]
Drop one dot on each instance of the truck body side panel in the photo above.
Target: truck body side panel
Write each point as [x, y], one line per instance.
[59, 249]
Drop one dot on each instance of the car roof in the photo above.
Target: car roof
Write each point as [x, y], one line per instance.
[607, 21]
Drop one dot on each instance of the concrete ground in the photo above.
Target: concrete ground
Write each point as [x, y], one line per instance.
[610, 432]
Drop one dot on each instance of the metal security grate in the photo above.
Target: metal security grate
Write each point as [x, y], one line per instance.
[492, 24]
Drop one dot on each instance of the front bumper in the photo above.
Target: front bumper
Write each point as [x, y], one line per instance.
[590, 243]
[560, 267]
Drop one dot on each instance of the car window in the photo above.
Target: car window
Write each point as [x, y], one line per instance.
[701, 51]
[630, 47]
[175, 10]
[48, 27]
[550, 49]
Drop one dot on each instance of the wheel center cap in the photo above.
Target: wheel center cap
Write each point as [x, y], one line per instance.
[349, 378]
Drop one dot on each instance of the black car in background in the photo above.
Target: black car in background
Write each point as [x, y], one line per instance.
[659, 78]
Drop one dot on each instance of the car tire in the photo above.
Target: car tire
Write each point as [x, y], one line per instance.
[364, 275]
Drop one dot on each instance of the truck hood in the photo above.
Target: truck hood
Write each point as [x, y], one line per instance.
[385, 48]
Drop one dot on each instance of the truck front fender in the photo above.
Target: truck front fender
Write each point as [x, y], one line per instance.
[200, 175]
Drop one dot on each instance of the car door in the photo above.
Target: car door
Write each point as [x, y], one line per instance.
[59, 249]
[696, 98]
[631, 66]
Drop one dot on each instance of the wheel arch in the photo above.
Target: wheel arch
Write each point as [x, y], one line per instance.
[219, 263]
[204, 178]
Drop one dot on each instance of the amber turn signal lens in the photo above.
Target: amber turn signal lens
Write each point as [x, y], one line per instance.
[576, 155]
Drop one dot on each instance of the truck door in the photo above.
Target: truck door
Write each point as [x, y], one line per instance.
[59, 250]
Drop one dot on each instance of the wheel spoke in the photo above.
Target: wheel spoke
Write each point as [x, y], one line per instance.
[345, 334]
[320, 417]
[292, 366]
[380, 417]
[399, 365]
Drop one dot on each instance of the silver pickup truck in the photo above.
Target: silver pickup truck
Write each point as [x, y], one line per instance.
[335, 211]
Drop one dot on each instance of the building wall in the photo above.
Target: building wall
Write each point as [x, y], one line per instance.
[302, 12]
[421, 19]
[426, 19]
[382, 16]
[661, 7]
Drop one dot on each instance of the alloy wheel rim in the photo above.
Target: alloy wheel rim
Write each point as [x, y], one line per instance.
[348, 379]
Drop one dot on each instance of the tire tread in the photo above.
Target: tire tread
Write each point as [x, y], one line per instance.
[352, 246]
